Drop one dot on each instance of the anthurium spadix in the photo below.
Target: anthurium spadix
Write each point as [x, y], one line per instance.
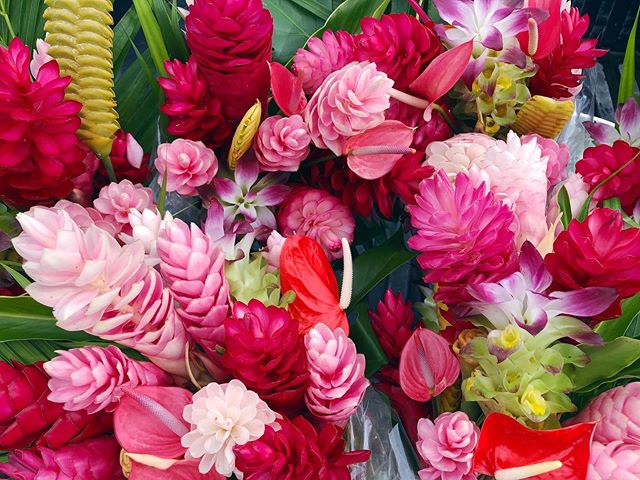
[540, 39]
[508, 450]
[287, 90]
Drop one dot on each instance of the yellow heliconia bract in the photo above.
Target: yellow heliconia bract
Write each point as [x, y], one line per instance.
[81, 39]
[243, 137]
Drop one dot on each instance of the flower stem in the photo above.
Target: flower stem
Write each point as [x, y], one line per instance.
[106, 161]
[444, 116]
[420, 103]
[5, 15]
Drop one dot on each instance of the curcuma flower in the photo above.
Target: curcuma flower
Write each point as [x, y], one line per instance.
[221, 417]
[524, 297]
[246, 198]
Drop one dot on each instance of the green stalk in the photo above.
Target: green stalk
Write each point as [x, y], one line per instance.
[5, 15]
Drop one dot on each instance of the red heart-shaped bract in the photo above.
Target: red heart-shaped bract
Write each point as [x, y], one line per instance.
[287, 90]
[548, 30]
[181, 470]
[305, 269]
[506, 443]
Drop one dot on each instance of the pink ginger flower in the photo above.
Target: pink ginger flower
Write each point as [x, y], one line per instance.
[93, 459]
[78, 273]
[145, 227]
[116, 200]
[90, 378]
[221, 417]
[517, 174]
[447, 447]
[322, 57]
[193, 269]
[557, 158]
[393, 324]
[187, 165]
[465, 235]
[615, 460]
[349, 101]
[462, 153]
[336, 374]
[282, 143]
[617, 412]
[83, 217]
[275, 242]
[40, 57]
[319, 215]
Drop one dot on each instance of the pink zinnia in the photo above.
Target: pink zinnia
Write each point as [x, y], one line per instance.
[116, 200]
[322, 57]
[187, 165]
[465, 236]
[316, 214]
[351, 100]
[282, 143]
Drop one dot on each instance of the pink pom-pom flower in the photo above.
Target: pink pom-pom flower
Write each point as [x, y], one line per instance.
[282, 143]
[336, 374]
[319, 215]
[447, 446]
[187, 165]
[91, 378]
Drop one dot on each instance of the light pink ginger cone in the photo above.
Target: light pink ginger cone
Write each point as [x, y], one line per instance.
[617, 412]
[193, 268]
[336, 374]
[90, 378]
[614, 461]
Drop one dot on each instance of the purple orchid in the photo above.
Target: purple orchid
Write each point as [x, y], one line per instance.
[628, 121]
[225, 232]
[492, 23]
[247, 199]
[522, 297]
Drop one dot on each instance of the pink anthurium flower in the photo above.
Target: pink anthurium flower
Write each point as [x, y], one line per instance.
[510, 451]
[373, 153]
[540, 39]
[427, 365]
[523, 297]
[287, 90]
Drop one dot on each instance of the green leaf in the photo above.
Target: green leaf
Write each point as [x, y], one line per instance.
[30, 351]
[366, 341]
[26, 19]
[564, 203]
[22, 318]
[612, 329]
[628, 76]
[162, 196]
[168, 19]
[610, 362]
[633, 331]
[374, 265]
[126, 29]
[348, 15]
[20, 279]
[316, 7]
[153, 34]
[612, 203]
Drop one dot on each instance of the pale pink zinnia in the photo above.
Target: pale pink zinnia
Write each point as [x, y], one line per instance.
[116, 200]
[317, 214]
[92, 378]
[460, 154]
[447, 446]
[187, 165]
[349, 101]
[221, 417]
[322, 57]
[282, 143]
[336, 374]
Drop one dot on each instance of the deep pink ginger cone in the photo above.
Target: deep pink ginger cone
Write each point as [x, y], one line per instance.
[393, 324]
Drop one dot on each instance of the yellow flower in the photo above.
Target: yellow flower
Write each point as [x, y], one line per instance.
[509, 338]
[534, 403]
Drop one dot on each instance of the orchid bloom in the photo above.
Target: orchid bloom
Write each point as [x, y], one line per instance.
[522, 297]
[510, 451]
[225, 232]
[628, 121]
[491, 23]
[246, 198]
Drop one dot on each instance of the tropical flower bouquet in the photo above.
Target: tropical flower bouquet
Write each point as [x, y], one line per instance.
[300, 240]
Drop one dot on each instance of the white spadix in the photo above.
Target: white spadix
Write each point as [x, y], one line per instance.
[527, 471]
[347, 275]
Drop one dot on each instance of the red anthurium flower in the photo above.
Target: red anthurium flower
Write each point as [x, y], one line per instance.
[287, 90]
[542, 39]
[305, 269]
[505, 445]
[374, 152]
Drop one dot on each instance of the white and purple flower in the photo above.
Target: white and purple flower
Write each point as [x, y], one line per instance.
[628, 126]
[523, 297]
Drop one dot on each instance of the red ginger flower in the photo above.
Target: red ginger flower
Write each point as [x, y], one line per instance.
[597, 253]
[556, 76]
[265, 352]
[297, 451]
[93, 459]
[399, 45]
[393, 324]
[600, 162]
[231, 42]
[39, 151]
[193, 112]
[465, 236]
[27, 416]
